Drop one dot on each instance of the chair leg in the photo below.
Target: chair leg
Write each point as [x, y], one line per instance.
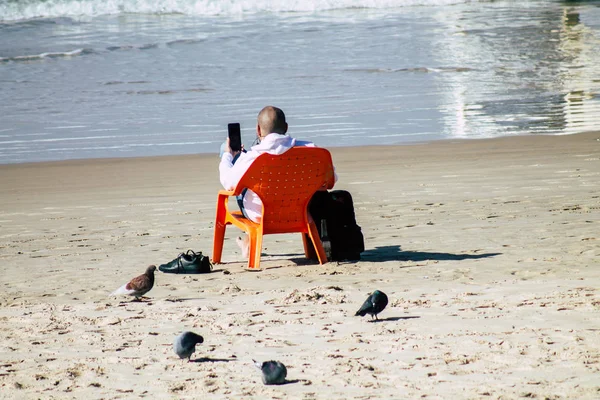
[316, 241]
[219, 237]
[255, 249]
[309, 249]
[220, 225]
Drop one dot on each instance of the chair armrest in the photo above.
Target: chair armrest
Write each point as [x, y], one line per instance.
[222, 203]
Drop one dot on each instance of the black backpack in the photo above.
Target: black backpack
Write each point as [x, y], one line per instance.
[337, 209]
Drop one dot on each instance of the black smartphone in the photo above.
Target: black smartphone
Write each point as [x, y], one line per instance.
[235, 136]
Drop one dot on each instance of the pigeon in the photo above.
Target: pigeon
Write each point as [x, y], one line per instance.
[374, 304]
[185, 344]
[138, 286]
[273, 372]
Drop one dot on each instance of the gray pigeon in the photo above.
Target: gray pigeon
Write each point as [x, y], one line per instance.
[273, 372]
[138, 286]
[374, 304]
[185, 344]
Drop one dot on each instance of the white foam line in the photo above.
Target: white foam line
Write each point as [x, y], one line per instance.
[169, 144]
[325, 124]
[36, 134]
[402, 134]
[326, 116]
[200, 126]
[68, 127]
[343, 130]
[57, 139]
[43, 55]
[68, 149]
[94, 137]
[342, 134]
[125, 148]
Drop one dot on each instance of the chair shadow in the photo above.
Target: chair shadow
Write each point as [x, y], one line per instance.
[395, 253]
[381, 254]
[212, 360]
[300, 260]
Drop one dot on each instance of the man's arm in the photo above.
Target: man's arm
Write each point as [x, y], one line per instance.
[225, 167]
[229, 173]
[226, 175]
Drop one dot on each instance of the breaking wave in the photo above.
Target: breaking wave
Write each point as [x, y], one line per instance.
[14, 10]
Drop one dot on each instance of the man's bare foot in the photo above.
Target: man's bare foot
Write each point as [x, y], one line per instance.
[244, 243]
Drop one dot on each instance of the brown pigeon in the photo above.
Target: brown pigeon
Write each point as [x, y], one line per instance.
[138, 286]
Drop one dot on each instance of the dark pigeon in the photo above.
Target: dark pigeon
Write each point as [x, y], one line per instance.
[273, 372]
[185, 344]
[374, 304]
[138, 286]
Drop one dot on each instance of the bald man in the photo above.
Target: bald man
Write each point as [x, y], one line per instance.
[271, 136]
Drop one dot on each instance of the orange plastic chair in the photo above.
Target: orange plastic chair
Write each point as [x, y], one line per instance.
[285, 183]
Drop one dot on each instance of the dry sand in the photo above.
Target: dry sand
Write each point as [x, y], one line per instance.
[488, 251]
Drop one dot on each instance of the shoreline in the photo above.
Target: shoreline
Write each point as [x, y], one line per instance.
[487, 249]
[340, 148]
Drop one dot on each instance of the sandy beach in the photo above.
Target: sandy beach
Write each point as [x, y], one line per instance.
[488, 251]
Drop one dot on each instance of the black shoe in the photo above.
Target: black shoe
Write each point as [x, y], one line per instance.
[188, 263]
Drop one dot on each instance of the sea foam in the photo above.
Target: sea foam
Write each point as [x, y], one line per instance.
[29, 9]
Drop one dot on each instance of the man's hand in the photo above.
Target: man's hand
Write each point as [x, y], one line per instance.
[228, 149]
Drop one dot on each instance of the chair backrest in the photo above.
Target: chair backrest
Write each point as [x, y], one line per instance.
[285, 183]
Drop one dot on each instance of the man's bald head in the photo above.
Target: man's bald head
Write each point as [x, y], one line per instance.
[271, 120]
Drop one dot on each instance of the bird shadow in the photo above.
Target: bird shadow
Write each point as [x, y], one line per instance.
[208, 359]
[393, 319]
[180, 299]
[395, 253]
[143, 300]
[290, 381]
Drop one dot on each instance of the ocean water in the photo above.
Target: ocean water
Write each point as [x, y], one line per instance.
[125, 78]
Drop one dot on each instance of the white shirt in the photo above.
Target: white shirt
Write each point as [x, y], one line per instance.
[230, 174]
